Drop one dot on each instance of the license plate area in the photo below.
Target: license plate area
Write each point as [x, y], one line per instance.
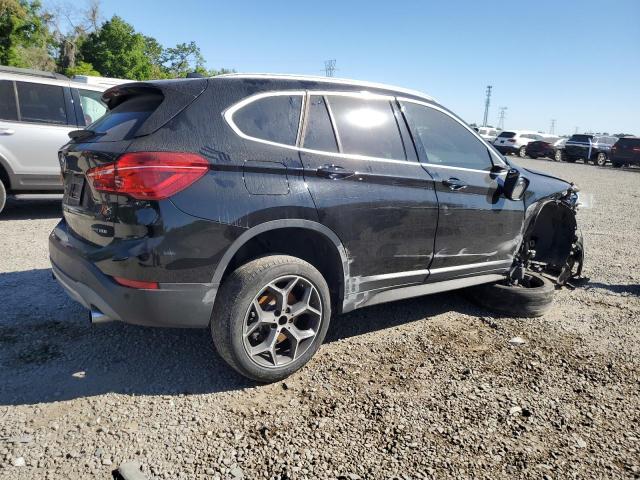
[73, 190]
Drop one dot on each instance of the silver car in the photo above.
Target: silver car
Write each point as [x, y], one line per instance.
[37, 111]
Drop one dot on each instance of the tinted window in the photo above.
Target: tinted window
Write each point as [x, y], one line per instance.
[272, 118]
[367, 127]
[507, 135]
[123, 121]
[319, 131]
[8, 109]
[92, 105]
[580, 138]
[446, 141]
[628, 142]
[41, 103]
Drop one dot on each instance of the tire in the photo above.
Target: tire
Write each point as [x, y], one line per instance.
[522, 152]
[533, 300]
[558, 156]
[3, 196]
[247, 316]
[601, 159]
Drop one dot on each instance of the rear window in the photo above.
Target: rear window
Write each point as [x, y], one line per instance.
[580, 138]
[274, 118]
[628, 142]
[507, 135]
[123, 122]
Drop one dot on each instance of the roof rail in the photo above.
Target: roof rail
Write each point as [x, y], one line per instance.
[33, 73]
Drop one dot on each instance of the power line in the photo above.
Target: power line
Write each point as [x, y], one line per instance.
[329, 67]
[487, 102]
[552, 128]
[501, 118]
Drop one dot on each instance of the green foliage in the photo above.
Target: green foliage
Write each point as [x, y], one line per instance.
[117, 50]
[25, 39]
[82, 68]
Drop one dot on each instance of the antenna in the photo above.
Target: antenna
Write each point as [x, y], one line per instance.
[487, 102]
[329, 67]
[501, 118]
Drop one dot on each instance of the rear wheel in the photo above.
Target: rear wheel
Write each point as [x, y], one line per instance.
[271, 316]
[533, 297]
[522, 152]
[3, 196]
[601, 159]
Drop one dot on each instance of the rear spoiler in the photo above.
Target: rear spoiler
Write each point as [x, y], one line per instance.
[176, 96]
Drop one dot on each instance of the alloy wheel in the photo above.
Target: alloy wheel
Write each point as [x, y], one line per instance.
[282, 321]
[601, 160]
[523, 152]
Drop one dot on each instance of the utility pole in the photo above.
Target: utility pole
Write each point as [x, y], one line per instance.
[329, 67]
[487, 102]
[576, 130]
[552, 128]
[501, 118]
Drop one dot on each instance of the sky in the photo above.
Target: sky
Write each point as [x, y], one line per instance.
[575, 61]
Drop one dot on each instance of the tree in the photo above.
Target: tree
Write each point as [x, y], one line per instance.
[117, 50]
[25, 39]
[82, 68]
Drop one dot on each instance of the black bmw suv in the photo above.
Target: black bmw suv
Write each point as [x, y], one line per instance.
[258, 205]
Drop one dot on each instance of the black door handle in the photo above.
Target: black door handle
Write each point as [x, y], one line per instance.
[454, 184]
[333, 172]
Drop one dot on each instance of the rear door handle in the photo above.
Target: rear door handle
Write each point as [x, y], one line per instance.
[7, 131]
[454, 184]
[333, 172]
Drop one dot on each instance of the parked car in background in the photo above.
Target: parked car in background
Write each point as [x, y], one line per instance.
[540, 148]
[626, 151]
[577, 147]
[514, 142]
[258, 205]
[601, 149]
[488, 133]
[37, 110]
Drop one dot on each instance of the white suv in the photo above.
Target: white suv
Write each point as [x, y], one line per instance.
[37, 111]
[515, 141]
[488, 133]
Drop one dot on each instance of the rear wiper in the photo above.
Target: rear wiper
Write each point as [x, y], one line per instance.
[83, 134]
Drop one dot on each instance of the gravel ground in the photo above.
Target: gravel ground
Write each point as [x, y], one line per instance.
[426, 388]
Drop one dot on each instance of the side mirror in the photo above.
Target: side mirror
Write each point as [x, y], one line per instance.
[514, 185]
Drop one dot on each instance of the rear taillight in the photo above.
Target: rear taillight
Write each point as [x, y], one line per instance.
[636, 149]
[148, 175]
[125, 282]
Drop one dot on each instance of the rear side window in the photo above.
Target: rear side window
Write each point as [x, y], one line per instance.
[41, 103]
[628, 142]
[92, 105]
[8, 108]
[444, 140]
[580, 138]
[367, 127]
[507, 135]
[274, 118]
[122, 122]
[319, 133]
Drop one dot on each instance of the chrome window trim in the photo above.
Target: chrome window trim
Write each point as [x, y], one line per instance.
[332, 119]
[230, 111]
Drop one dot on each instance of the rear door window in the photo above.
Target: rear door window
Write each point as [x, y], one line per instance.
[319, 134]
[93, 108]
[444, 140]
[8, 107]
[40, 103]
[275, 118]
[366, 127]
[507, 135]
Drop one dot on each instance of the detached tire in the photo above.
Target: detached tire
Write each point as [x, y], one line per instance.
[533, 299]
[270, 317]
[3, 196]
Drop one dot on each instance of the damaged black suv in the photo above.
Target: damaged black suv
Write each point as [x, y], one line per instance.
[260, 205]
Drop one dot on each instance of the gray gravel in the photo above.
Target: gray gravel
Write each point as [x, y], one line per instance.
[427, 388]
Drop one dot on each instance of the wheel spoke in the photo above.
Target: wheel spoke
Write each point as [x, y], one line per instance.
[267, 345]
[297, 336]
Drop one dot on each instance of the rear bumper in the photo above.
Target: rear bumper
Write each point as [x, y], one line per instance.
[172, 305]
[506, 149]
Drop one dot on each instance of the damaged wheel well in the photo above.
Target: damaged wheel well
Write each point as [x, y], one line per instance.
[552, 233]
[308, 245]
